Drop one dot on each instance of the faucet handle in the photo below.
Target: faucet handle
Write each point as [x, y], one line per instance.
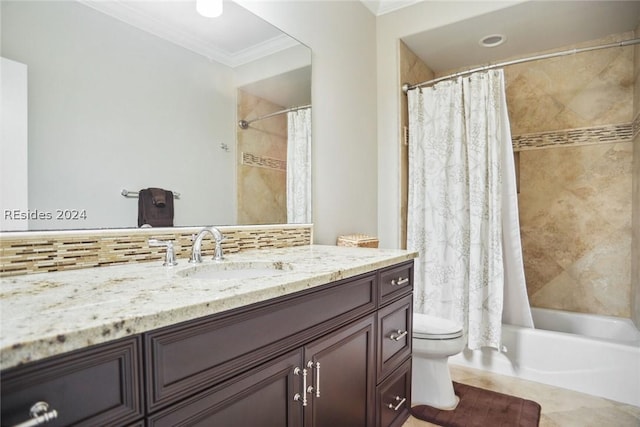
[218, 254]
[170, 256]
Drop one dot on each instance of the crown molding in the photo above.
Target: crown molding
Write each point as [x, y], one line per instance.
[123, 12]
[381, 7]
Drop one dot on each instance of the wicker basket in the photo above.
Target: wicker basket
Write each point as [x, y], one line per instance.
[358, 240]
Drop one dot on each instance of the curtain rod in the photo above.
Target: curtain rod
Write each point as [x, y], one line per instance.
[407, 87]
[244, 124]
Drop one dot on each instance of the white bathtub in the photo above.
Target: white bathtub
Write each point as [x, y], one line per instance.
[598, 355]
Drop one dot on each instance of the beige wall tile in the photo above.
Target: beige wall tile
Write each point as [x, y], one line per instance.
[262, 194]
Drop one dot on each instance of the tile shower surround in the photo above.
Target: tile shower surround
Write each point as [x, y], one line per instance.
[47, 251]
[572, 120]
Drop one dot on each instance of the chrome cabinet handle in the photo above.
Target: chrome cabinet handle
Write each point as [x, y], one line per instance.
[399, 281]
[400, 403]
[317, 388]
[401, 334]
[40, 414]
[297, 397]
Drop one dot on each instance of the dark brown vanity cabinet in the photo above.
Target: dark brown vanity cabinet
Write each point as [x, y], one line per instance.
[333, 355]
[186, 358]
[328, 382]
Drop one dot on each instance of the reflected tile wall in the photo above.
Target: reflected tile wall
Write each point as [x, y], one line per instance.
[261, 171]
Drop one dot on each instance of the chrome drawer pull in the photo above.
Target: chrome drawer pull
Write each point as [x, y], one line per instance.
[310, 390]
[40, 414]
[400, 281]
[297, 396]
[400, 403]
[401, 334]
[318, 381]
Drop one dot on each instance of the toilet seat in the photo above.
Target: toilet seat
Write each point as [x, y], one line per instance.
[434, 328]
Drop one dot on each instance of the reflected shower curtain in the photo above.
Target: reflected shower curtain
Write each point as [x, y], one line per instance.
[299, 167]
[462, 216]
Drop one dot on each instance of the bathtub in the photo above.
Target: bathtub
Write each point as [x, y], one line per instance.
[598, 355]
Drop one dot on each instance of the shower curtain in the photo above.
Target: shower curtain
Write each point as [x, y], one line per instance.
[299, 166]
[462, 215]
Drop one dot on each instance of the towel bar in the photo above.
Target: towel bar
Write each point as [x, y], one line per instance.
[127, 193]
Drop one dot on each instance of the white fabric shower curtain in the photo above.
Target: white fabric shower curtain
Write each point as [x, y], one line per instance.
[462, 216]
[299, 166]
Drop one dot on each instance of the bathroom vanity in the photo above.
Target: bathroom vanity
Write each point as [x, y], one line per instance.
[323, 340]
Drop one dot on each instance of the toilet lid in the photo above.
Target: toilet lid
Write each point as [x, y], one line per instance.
[431, 327]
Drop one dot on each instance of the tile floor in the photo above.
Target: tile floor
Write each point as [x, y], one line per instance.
[560, 407]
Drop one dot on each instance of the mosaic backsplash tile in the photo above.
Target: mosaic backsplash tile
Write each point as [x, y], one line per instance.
[36, 252]
[249, 159]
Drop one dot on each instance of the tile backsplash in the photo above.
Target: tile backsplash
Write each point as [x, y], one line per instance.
[38, 252]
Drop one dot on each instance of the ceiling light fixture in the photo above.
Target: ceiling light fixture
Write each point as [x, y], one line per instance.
[492, 40]
[209, 8]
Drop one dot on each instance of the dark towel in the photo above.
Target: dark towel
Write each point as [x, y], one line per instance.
[153, 210]
[158, 196]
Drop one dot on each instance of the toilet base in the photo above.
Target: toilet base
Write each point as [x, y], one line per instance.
[431, 384]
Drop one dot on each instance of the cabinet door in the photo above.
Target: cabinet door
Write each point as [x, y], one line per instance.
[262, 397]
[344, 378]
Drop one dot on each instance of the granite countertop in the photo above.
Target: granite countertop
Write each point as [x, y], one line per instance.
[46, 314]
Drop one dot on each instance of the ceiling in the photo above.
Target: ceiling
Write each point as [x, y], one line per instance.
[233, 39]
[239, 37]
[529, 27]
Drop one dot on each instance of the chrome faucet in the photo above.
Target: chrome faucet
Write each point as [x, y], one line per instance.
[196, 250]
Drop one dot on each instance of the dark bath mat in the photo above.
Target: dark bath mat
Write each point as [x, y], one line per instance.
[482, 408]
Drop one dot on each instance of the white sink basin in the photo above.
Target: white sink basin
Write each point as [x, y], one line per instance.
[236, 270]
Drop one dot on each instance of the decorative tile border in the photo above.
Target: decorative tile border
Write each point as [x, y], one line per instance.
[38, 252]
[583, 136]
[249, 159]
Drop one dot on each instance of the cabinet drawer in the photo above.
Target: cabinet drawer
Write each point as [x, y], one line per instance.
[185, 359]
[395, 323]
[96, 386]
[395, 282]
[393, 398]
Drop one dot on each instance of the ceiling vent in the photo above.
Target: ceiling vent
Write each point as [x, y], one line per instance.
[492, 40]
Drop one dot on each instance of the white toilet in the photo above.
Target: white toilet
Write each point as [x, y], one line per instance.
[434, 340]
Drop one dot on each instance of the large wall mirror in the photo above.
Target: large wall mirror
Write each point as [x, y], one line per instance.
[128, 95]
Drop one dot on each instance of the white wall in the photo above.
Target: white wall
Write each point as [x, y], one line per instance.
[14, 178]
[356, 104]
[341, 35]
[112, 107]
